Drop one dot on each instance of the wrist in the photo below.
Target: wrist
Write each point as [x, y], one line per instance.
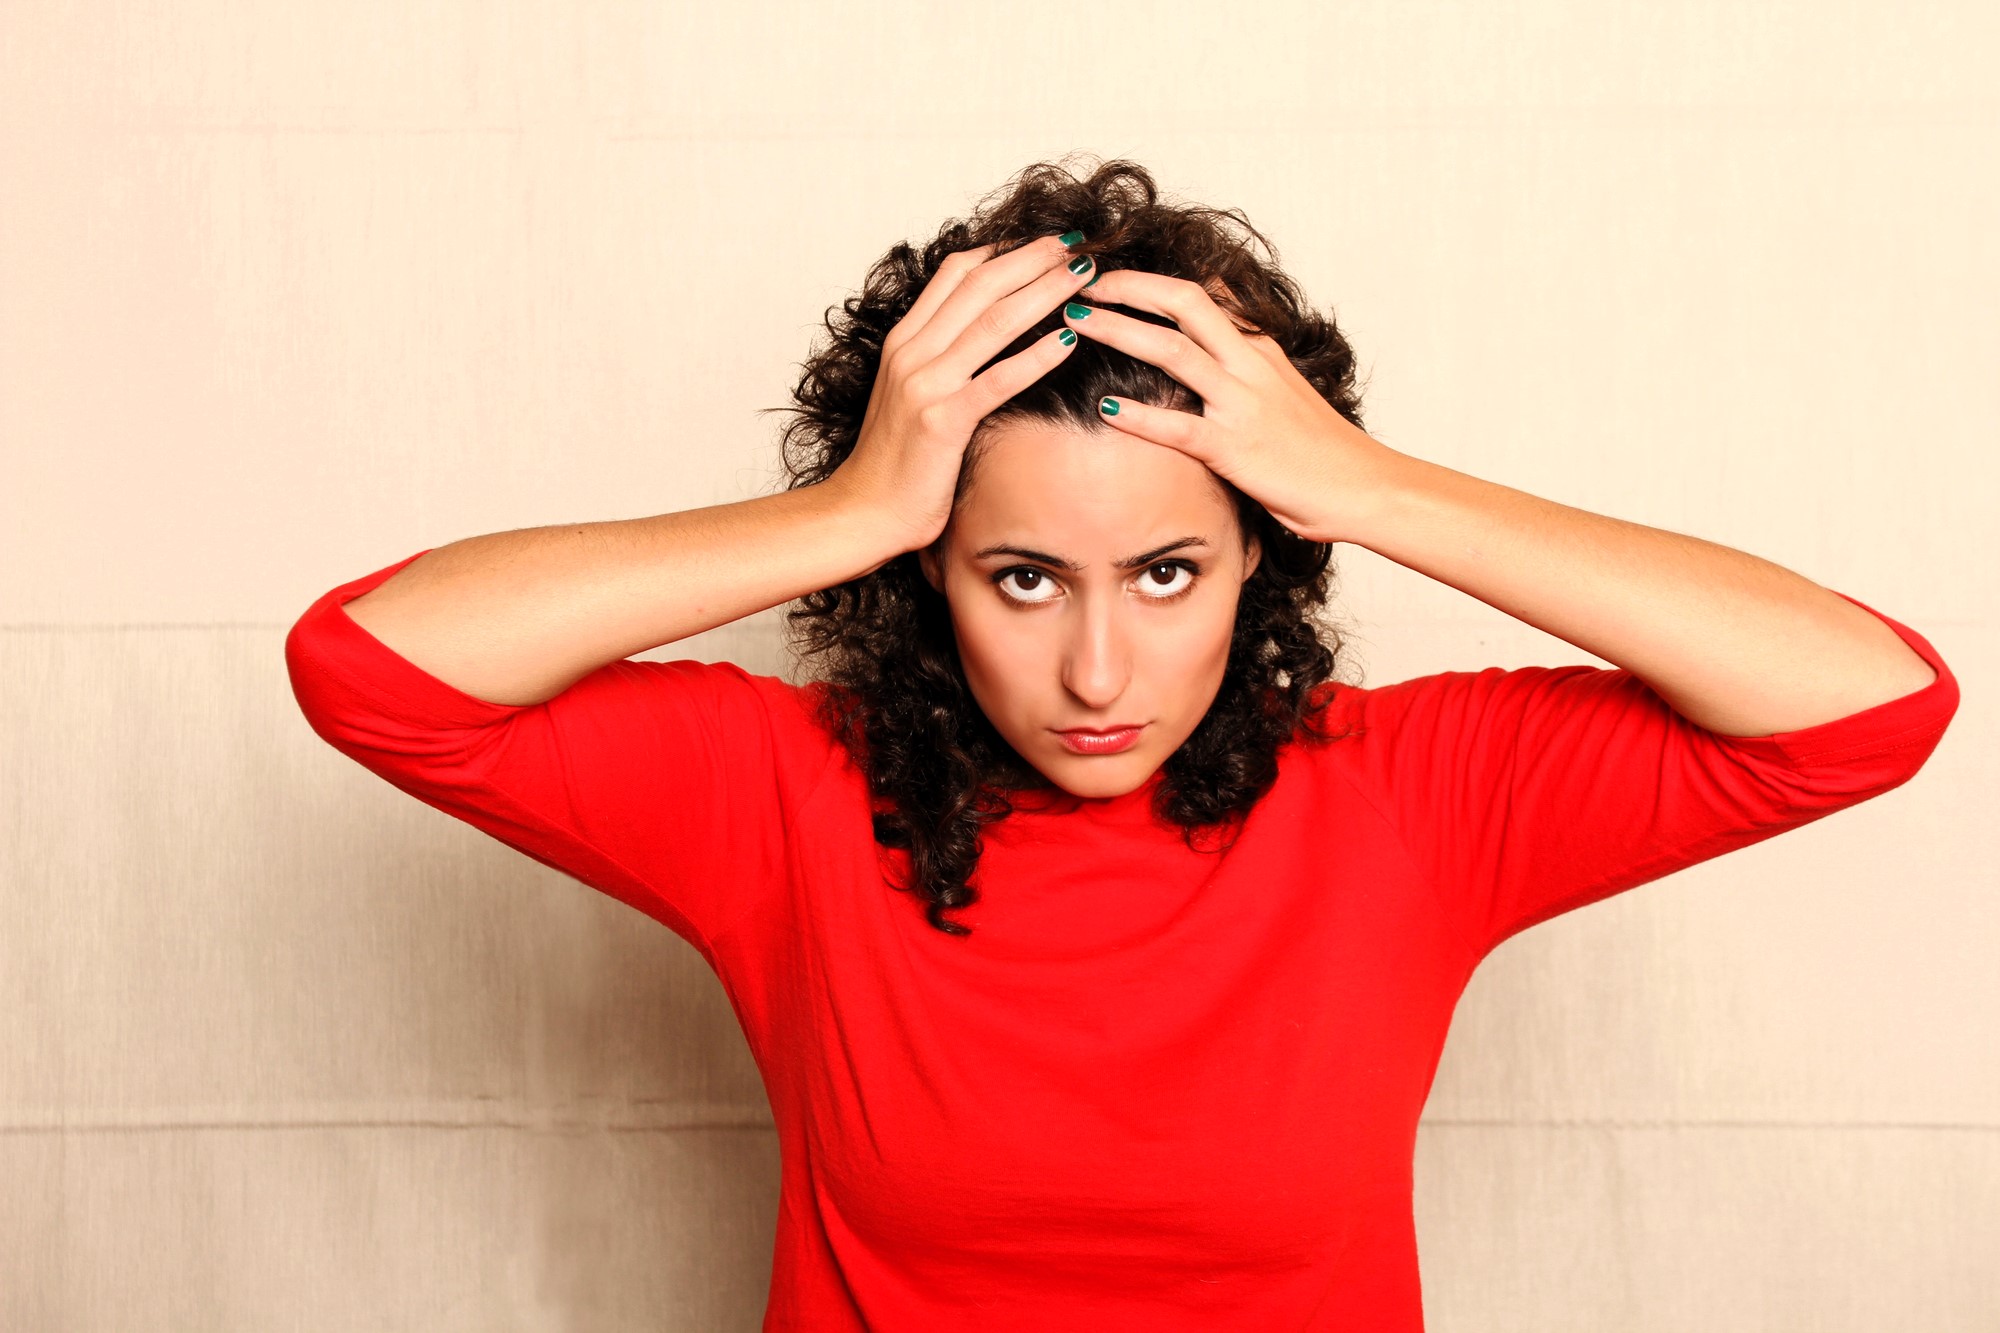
[1378, 497]
[877, 536]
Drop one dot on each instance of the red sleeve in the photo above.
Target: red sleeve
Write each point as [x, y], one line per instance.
[1532, 792]
[664, 784]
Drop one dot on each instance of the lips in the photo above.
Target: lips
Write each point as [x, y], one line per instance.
[1092, 740]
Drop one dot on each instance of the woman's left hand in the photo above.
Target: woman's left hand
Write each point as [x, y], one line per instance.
[1262, 427]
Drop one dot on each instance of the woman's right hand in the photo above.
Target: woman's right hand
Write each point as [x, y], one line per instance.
[923, 407]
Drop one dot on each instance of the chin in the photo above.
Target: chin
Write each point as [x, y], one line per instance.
[1098, 776]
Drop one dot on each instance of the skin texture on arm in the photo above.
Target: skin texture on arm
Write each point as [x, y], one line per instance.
[1732, 642]
[518, 617]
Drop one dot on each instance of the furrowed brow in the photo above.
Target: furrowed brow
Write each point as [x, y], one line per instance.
[1139, 561]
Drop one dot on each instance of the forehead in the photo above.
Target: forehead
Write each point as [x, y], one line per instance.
[1059, 482]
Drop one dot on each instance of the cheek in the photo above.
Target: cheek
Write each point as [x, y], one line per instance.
[1198, 634]
[999, 657]
[1190, 656]
[1182, 650]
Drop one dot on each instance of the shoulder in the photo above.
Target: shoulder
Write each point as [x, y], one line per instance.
[1336, 711]
[1356, 719]
[761, 716]
[1429, 697]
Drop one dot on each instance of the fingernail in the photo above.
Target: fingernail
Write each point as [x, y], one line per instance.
[1081, 264]
[1093, 281]
[1066, 337]
[1070, 237]
[1108, 406]
[1075, 311]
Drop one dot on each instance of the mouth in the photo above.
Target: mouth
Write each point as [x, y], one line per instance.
[1100, 740]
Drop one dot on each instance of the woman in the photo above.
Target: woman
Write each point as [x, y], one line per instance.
[1194, 915]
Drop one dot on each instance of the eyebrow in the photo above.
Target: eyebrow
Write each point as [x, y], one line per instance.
[1139, 561]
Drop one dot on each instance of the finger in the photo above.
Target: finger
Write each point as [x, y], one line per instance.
[1159, 425]
[1189, 306]
[992, 330]
[952, 270]
[982, 286]
[1170, 349]
[1007, 378]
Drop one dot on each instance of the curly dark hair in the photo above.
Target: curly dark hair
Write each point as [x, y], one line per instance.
[894, 692]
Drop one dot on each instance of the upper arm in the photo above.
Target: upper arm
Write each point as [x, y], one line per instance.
[1532, 792]
[664, 784]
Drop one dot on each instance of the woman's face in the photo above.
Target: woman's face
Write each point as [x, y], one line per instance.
[1093, 581]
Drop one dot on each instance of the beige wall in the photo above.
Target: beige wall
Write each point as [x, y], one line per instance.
[287, 296]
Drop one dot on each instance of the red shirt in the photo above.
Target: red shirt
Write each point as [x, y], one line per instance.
[1155, 1088]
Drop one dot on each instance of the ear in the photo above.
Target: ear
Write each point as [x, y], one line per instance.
[1252, 557]
[927, 560]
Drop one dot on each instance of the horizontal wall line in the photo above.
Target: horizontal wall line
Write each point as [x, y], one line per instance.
[566, 1120]
[32, 627]
[98, 626]
[1587, 1122]
[745, 1119]
[1925, 623]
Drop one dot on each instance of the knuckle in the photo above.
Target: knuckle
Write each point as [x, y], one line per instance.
[935, 418]
[990, 323]
[978, 281]
[898, 362]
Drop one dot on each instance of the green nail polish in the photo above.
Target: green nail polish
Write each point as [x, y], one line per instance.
[1066, 337]
[1070, 237]
[1093, 281]
[1075, 311]
[1108, 406]
[1081, 264]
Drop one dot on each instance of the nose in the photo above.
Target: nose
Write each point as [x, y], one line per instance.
[1097, 658]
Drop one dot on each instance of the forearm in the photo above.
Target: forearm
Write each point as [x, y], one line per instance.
[517, 617]
[1734, 643]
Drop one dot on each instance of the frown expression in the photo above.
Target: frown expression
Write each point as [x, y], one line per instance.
[1047, 647]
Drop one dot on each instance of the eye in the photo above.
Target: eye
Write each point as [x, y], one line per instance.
[1036, 580]
[1149, 580]
[1026, 579]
